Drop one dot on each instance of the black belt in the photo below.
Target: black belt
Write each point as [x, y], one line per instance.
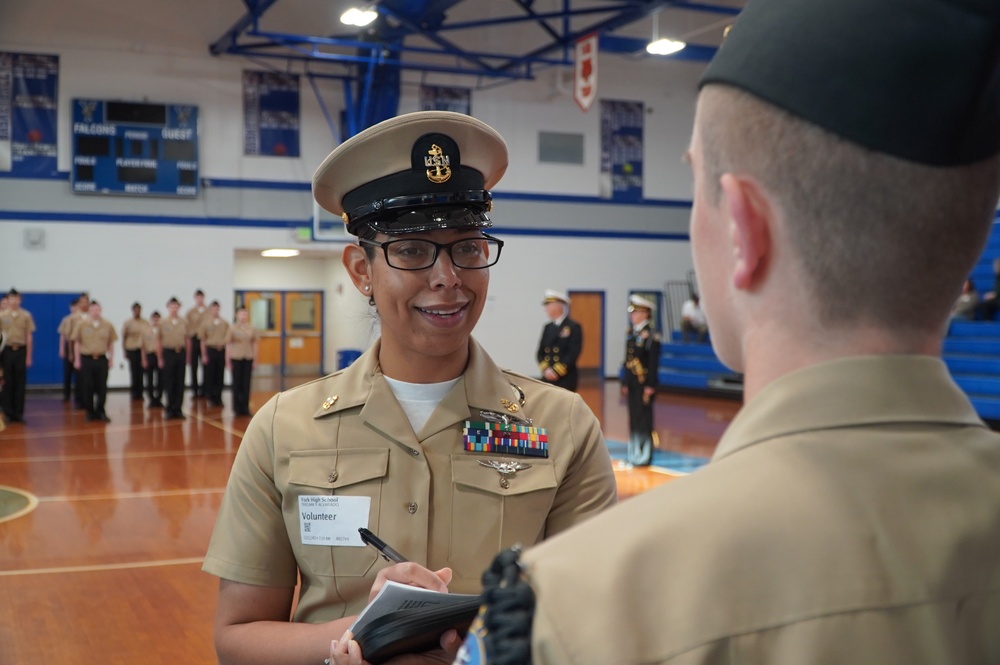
[179, 349]
[15, 347]
[218, 348]
[94, 356]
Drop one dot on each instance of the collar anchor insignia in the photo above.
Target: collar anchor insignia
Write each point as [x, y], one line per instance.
[505, 469]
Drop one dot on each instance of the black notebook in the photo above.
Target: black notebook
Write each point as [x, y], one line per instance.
[405, 619]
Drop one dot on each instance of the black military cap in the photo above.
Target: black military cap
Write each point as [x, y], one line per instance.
[174, 301]
[136, 304]
[13, 292]
[416, 172]
[916, 79]
[215, 303]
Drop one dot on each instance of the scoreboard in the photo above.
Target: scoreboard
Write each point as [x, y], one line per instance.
[135, 148]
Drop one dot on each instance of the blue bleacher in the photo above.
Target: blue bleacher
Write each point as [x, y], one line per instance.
[694, 366]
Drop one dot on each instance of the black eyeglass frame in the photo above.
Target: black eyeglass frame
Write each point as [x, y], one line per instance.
[437, 250]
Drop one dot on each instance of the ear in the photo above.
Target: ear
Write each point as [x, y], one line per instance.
[750, 218]
[356, 262]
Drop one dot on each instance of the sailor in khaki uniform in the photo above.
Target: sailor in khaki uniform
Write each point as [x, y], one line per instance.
[175, 349]
[65, 331]
[18, 329]
[213, 352]
[241, 354]
[82, 316]
[851, 512]
[423, 440]
[94, 351]
[194, 318]
[150, 361]
[132, 331]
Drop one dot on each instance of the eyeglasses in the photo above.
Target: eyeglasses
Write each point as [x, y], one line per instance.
[418, 254]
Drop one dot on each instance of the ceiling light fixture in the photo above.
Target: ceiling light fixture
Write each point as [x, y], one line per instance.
[663, 46]
[358, 17]
[280, 253]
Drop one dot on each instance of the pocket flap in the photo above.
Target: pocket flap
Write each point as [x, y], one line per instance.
[333, 469]
[467, 471]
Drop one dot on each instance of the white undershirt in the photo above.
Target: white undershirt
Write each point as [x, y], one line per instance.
[419, 399]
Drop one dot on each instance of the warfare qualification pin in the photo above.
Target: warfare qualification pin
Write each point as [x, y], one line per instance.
[505, 469]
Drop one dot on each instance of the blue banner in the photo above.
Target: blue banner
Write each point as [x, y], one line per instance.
[621, 150]
[29, 84]
[270, 114]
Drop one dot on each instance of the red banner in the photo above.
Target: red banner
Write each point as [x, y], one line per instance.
[585, 79]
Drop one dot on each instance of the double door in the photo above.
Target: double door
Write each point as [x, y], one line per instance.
[290, 324]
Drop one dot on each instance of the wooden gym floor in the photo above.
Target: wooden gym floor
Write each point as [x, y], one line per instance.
[105, 567]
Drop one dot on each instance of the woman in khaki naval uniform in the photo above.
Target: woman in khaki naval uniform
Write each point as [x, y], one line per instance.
[94, 354]
[423, 440]
[241, 354]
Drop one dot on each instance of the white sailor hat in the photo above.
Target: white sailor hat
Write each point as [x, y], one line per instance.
[552, 295]
[635, 301]
[415, 172]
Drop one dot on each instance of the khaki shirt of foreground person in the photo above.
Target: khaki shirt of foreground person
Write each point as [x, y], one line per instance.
[869, 481]
[438, 504]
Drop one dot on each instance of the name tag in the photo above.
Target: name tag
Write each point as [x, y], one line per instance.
[333, 520]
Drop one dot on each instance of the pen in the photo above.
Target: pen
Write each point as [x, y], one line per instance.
[387, 552]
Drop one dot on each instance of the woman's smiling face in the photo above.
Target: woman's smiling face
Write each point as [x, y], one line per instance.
[426, 315]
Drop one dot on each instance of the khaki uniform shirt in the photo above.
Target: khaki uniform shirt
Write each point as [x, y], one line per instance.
[95, 337]
[213, 331]
[240, 339]
[150, 338]
[173, 333]
[132, 331]
[850, 514]
[346, 435]
[16, 326]
[66, 326]
[194, 318]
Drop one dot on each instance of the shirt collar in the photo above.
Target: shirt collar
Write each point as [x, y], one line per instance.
[850, 392]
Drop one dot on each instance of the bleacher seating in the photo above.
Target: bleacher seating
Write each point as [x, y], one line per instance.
[694, 366]
[972, 354]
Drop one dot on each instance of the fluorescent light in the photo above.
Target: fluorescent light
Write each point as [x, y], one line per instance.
[358, 17]
[665, 47]
[279, 253]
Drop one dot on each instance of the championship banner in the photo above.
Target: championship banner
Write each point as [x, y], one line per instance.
[621, 150]
[270, 114]
[442, 98]
[29, 84]
[585, 72]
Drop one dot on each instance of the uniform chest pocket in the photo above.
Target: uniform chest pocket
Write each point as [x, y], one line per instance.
[343, 472]
[488, 517]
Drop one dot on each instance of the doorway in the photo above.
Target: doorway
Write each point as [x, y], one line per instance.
[587, 309]
[290, 324]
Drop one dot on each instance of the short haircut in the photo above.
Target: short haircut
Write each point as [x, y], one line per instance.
[881, 240]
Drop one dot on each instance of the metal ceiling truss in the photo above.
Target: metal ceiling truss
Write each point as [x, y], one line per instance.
[370, 63]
